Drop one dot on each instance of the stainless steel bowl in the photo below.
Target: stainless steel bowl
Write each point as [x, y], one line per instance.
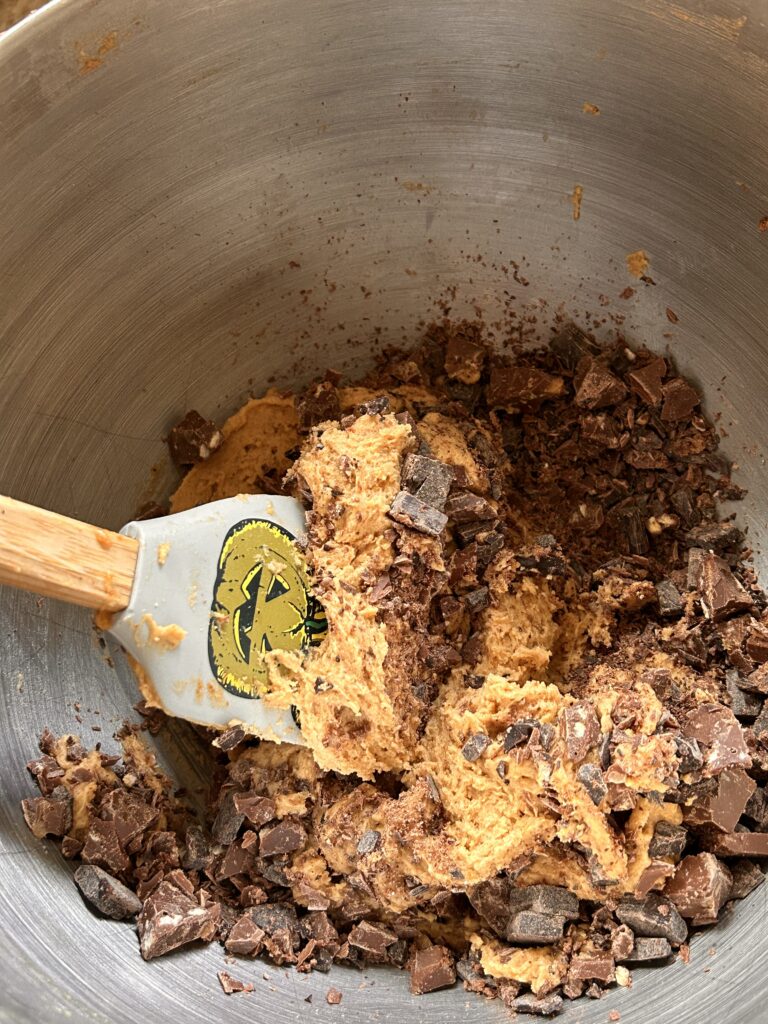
[198, 198]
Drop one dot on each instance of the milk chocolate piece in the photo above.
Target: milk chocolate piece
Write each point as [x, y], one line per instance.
[646, 949]
[131, 814]
[333, 997]
[591, 778]
[757, 681]
[464, 360]
[517, 387]
[647, 380]
[722, 808]
[285, 837]
[699, 888]
[102, 847]
[622, 942]
[48, 816]
[743, 703]
[715, 727]
[721, 593]
[47, 773]
[428, 479]
[599, 967]
[193, 440]
[230, 984]
[746, 877]
[680, 399]
[546, 1006]
[107, 894]
[258, 810]
[475, 746]
[318, 404]
[599, 388]
[431, 969]
[717, 537]
[757, 644]
[170, 918]
[518, 733]
[581, 729]
[197, 852]
[668, 840]
[652, 917]
[467, 507]
[373, 939]
[737, 844]
[669, 598]
[417, 514]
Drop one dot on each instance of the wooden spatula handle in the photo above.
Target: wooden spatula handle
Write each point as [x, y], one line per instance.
[59, 557]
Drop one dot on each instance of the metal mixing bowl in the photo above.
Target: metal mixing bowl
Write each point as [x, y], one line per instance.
[198, 198]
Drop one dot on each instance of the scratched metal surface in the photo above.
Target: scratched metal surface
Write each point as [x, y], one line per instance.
[197, 197]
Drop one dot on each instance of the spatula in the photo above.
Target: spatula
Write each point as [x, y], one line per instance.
[196, 598]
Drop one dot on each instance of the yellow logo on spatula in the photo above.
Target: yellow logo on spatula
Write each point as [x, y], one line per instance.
[261, 602]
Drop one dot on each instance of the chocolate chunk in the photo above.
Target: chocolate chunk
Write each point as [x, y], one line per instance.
[721, 593]
[544, 899]
[546, 1006]
[599, 388]
[757, 643]
[545, 558]
[193, 440]
[417, 514]
[737, 844]
[170, 918]
[760, 725]
[475, 746]
[373, 939]
[699, 888]
[47, 773]
[622, 942]
[722, 808]
[647, 380]
[245, 937]
[369, 841]
[431, 969]
[237, 860]
[600, 429]
[530, 927]
[695, 559]
[102, 847]
[743, 703]
[228, 820]
[230, 984]
[669, 598]
[581, 729]
[668, 840]
[571, 345]
[518, 387]
[646, 949]
[519, 733]
[258, 810]
[631, 522]
[717, 537]
[317, 925]
[680, 399]
[652, 917]
[745, 877]
[464, 360]
[598, 967]
[756, 682]
[466, 507]
[333, 997]
[428, 479]
[689, 753]
[716, 728]
[230, 738]
[655, 873]
[107, 894]
[285, 837]
[591, 778]
[477, 600]
[378, 406]
[281, 927]
[130, 813]
[49, 816]
[318, 404]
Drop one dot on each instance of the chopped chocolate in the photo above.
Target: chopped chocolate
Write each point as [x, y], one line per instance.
[194, 439]
[230, 738]
[646, 949]
[285, 837]
[689, 753]
[737, 844]
[743, 703]
[652, 917]
[475, 746]
[333, 997]
[131, 814]
[477, 599]
[529, 927]
[757, 644]
[646, 381]
[48, 816]
[581, 729]
[680, 399]
[668, 841]
[417, 514]
[721, 593]
[318, 404]
[258, 810]
[699, 888]
[599, 388]
[428, 479]
[669, 598]
[598, 967]
[622, 942]
[722, 808]
[519, 733]
[546, 1006]
[466, 507]
[47, 773]
[245, 937]
[717, 537]
[716, 728]
[518, 387]
[170, 918]
[369, 841]
[756, 682]
[464, 360]
[431, 969]
[591, 778]
[107, 894]
[230, 984]
[373, 939]
[102, 847]
[228, 819]
[745, 877]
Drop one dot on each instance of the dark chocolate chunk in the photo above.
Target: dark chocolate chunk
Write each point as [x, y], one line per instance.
[416, 514]
[102, 847]
[519, 733]
[601, 429]
[47, 773]
[193, 440]
[546, 1006]
[475, 746]
[517, 387]
[48, 815]
[716, 728]
[373, 939]
[245, 937]
[652, 917]
[428, 479]
[230, 984]
[369, 841]
[721, 593]
[717, 537]
[544, 558]
[746, 877]
[744, 704]
[545, 899]
[281, 927]
[230, 738]
[646, 949]
[631, 522]
[318, 404]
[531, 927]
[695, 559]
[722, 808]
[581, 729]
[228, 820]
[689, 753]
[599, 388]
[591, 778]
[760, 725]
[258, 810]
[378, 406]
[431, 969]
[595, 967]
[464, 360]
[668, 840]
[646, 381]
[131, 814]
[699, 888]
[171, 918]
[466, 507]
[669, 598]
[680, 399]
[285, 837]
[477, 600]
[107, 894]
[737, 844]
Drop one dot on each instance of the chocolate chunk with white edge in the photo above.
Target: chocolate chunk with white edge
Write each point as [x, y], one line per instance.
[668, 840]
[546, 1006]
[230, 984]
[599, 388]
[475, 746]
[464, 360]
[723, 808]
[721, 593]
[102, 847]
[230, 738]
[318, 404]
[516, 387]
[699, 888]
[680, 399]
[531, 927]
[170, 918]
[591, 778]
[107, 894]
[716, 728]
[581, 729]
[695, 560]
[194, 439]
[743, 703]
[746, 877]
[228, 820]
[416, 514]
[622, 942]
[647, 380]
[373, 939]
[646, 949]
[717, 537]
[757, 643]
[689, 753]
[428, 479]
[245, 937]
[669, 598]
[737, 844]
[599, 967]
[131, 814]
[258, 810]
[653, 917]
[369, 841]
[431, 969]
[466, 507]
[48, 816]
[285, 837]
[519, 733]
